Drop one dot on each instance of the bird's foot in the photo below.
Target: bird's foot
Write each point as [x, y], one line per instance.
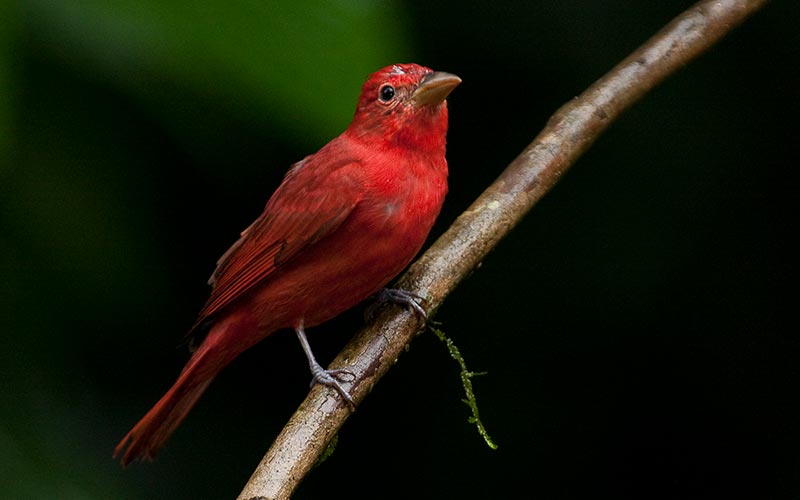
[397, 296]
[331, 378]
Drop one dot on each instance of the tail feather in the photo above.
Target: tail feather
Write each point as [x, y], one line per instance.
[153, 430]
[225, 340]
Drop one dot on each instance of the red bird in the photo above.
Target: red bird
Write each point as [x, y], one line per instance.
[341, 225]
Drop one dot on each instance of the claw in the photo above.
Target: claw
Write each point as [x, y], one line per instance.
[397, 296]
[329, 378]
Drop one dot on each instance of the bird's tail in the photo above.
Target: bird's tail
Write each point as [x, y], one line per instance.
[152, 431]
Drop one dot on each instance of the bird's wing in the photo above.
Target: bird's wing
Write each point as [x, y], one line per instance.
[309, 204]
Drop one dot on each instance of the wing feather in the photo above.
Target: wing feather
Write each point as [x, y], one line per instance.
[310, 204]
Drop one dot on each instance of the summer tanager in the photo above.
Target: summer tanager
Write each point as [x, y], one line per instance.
[341, 225]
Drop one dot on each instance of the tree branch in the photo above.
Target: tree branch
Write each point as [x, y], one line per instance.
[570, 132]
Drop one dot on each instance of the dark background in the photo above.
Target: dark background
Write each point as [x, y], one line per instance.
[636, 328]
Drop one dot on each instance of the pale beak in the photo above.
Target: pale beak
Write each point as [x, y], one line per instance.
[434, 88]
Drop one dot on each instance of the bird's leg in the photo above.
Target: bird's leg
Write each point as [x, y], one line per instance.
[321, 375]
[397, 296]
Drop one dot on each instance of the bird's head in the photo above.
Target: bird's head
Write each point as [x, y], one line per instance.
[404, 105]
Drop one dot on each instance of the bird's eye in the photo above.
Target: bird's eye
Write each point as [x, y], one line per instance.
[386, 93]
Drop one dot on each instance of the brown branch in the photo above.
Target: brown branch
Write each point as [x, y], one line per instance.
[569, 133]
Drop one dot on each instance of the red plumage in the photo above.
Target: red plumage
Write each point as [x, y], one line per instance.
[341, 225]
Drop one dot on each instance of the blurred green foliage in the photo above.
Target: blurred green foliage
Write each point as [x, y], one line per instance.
[7, 89]
[633, 327]
[300, 63]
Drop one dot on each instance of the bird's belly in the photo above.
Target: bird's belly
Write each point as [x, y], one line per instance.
[341, 270]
